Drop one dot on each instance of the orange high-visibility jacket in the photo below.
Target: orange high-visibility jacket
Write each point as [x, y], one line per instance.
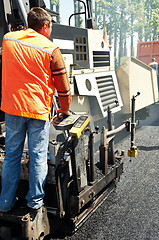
[32, 67]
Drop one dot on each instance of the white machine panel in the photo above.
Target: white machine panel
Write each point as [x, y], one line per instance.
[102, 85]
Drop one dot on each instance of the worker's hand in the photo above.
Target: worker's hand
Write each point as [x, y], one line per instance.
[61, 112]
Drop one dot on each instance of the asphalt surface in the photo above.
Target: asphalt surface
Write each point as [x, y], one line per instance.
[131, 212]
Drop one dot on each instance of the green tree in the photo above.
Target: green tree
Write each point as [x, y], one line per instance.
[55, 3]
[106, 10]
[151, 29]
[135, 16]
[126, 18]
[116, 22]
[78, 9]
[139, 15]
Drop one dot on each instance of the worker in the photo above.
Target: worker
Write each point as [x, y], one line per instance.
[32, 68]
[154, 65]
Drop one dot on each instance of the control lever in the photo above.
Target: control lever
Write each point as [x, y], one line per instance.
[132, 152]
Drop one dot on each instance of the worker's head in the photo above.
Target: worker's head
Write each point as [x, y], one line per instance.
[153, 59]
[40, 21]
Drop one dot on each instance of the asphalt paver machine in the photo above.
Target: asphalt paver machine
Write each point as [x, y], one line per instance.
[81, 171]
[78, 178]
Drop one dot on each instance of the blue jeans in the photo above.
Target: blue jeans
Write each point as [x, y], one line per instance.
[38, 138]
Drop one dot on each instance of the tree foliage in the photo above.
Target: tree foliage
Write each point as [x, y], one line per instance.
[78, 8]
[126, 19]
[54, 2]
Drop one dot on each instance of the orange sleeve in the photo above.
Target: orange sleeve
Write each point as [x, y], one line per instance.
[61, 80]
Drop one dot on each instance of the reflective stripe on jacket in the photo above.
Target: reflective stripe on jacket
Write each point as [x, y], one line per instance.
[28, 83]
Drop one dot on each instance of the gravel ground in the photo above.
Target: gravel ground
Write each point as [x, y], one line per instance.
[131, 212]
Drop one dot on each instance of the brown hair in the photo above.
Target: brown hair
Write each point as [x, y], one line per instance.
[37, 17]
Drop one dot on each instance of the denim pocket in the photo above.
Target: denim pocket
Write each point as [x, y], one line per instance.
[13, 122]
[36, 123]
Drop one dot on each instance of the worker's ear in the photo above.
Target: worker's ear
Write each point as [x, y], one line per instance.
[43, 30]
[45, 26]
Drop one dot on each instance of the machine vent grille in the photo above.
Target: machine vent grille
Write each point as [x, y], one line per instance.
[81, 48]
[107, 92]
[101, 59]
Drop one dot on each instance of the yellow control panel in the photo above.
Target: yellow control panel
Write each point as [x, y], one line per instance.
[79, 126]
